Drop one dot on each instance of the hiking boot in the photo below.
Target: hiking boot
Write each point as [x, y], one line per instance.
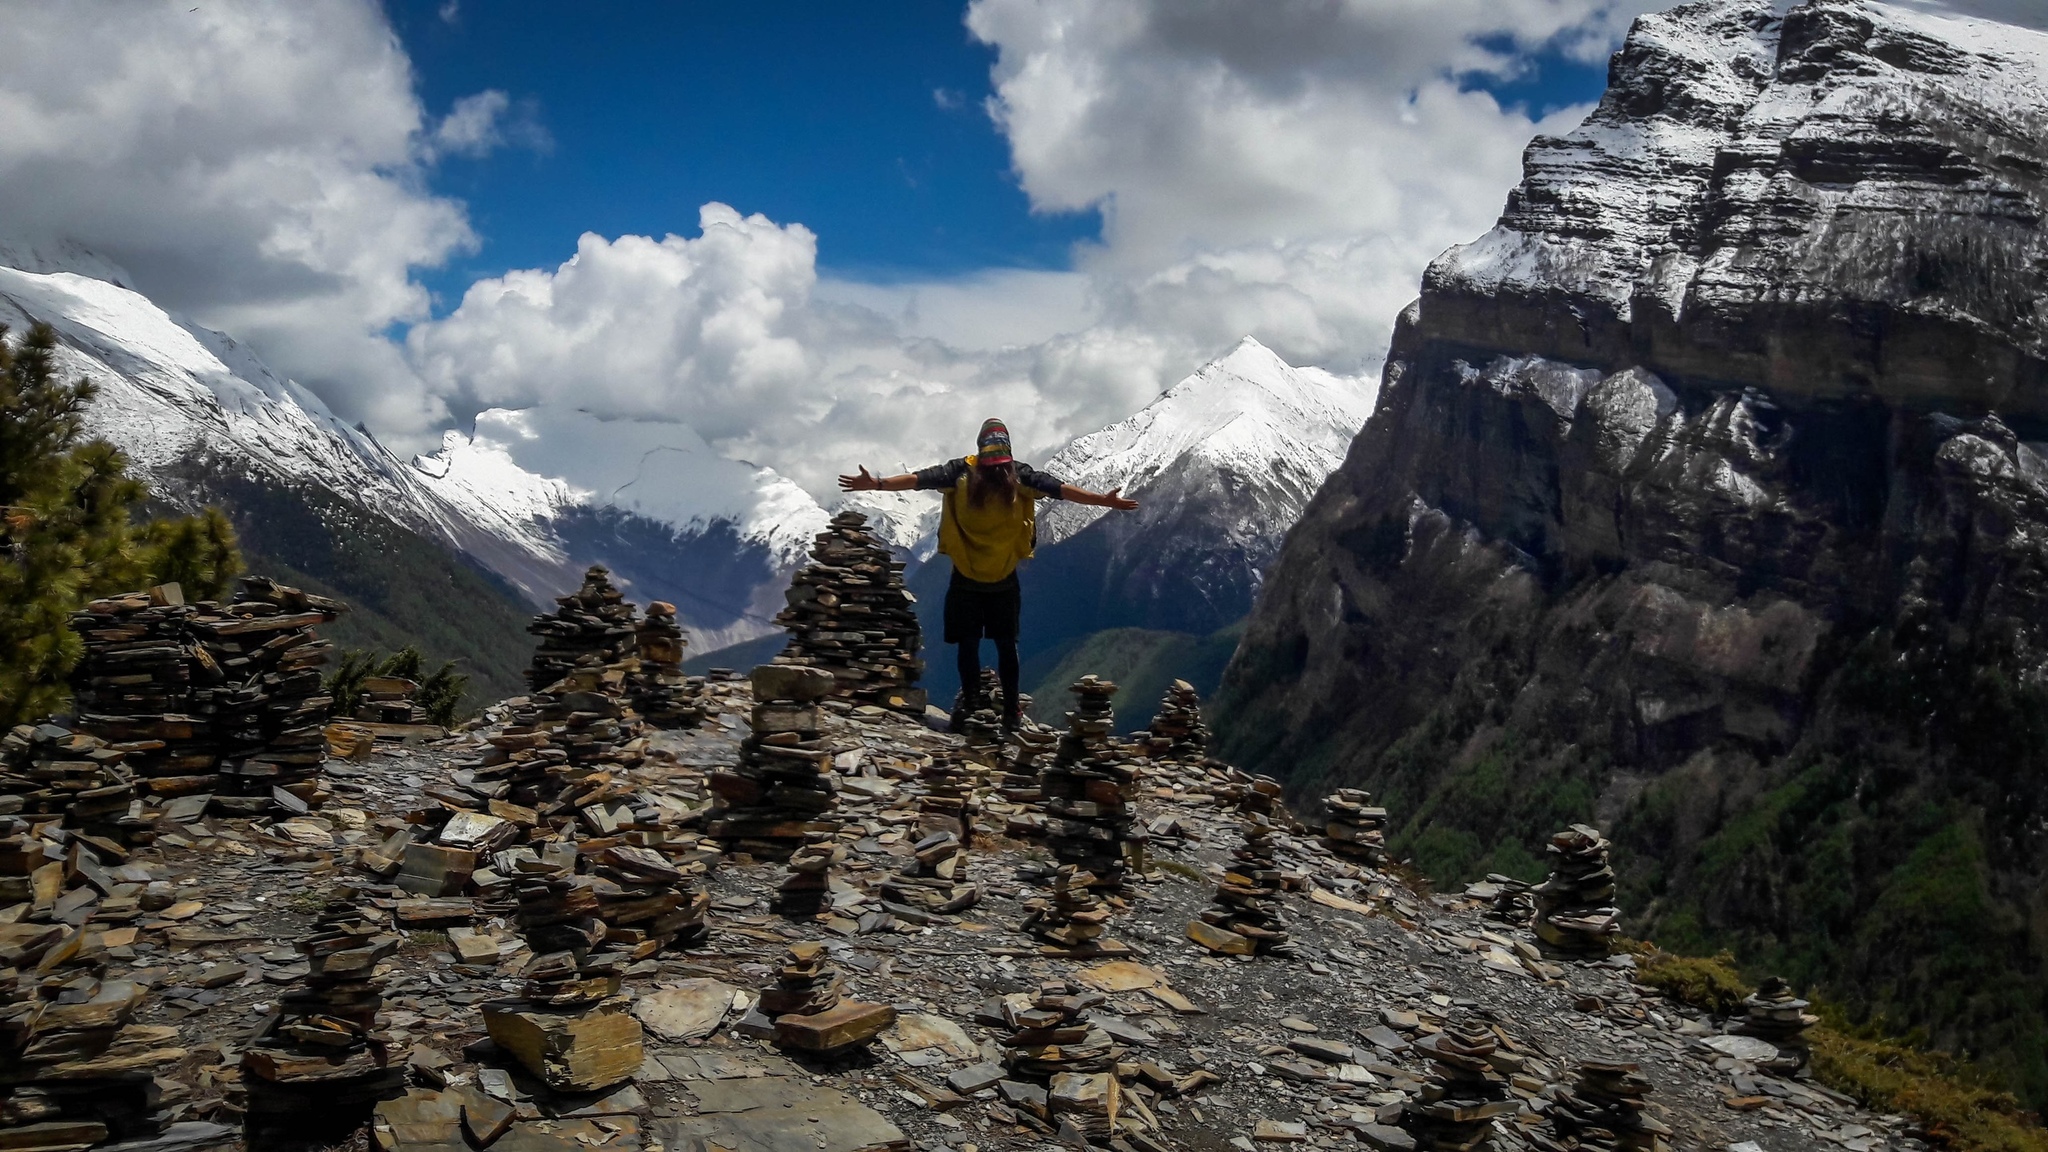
[1011, 722]
[957, 722]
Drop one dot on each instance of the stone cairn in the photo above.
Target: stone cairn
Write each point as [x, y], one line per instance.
[49, 772]
[1774, 1014]
[570, 1025]
[948, 791]
[1053, 1043]
[1072, 917]
[648, 902]
[133, 688]
[1019, 783]
[934, 880]
[320, 1066]
[850, 615]
[810, 1010]
[982, 725]
[210, 698]
[592, 625]
[658, 690]
[74, 1068]
[807, 885]
[1088, 790]
[1603, 1111]
[1514, 901]
[1574, 911]
[268, 708]
[1355, 828]
[1463, 1094]
[782, 791]
[1177, 731]
[1247, 916]
[390, 700]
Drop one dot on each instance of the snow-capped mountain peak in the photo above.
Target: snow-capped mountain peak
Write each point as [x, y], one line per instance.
[674, 518]
[1248, 413]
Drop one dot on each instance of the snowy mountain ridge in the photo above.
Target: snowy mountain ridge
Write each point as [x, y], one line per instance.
[1248, 414]
[182, 400]
[1226, 457]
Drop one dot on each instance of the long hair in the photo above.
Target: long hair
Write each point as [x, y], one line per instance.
[986, 480]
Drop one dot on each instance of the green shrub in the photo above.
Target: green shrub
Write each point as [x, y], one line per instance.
[1947, 1096]
[1710, 984]
[69, 530]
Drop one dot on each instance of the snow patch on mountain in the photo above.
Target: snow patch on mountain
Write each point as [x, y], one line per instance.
[171, 391]
[183, 402]
[1249, 415]
[506, 473]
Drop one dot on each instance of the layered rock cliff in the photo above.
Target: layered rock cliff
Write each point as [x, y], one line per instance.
[1702, 500]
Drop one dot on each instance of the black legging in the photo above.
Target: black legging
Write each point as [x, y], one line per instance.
[1006, 670]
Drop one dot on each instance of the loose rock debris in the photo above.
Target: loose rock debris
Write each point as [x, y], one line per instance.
[572, 962]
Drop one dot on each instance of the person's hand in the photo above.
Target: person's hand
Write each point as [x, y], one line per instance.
[860, 482]
[1114, 498]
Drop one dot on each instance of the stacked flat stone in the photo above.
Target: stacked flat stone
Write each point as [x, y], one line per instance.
[811, 1012]
[1355, 828]
[807, 885]
[593, 624]
[390, 700]
[1019, 782]
[268, 708]
[1053, 1036]
[586, 715]
[133, 688]
[1514, 901]
[1089, 788]
[570, 1026]
[1603, 1111]
[782, 791]
[948, 788]
[982, 725]
[1463, 1094]
[1774, 1014]
[1072, 916]
[1247, 916]
[1177, 731]
[646, 902]
[74, 1069]
[522, 758]
[1574, 909]
[934, 880]
[658, 690]
[208, 697]
[320, 1066]
[850, 615]
[48, 771]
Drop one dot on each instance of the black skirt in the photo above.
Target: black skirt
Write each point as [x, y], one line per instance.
[975, 609]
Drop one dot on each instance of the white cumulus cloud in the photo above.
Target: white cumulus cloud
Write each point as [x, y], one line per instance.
[1279, 169]
[255, 166]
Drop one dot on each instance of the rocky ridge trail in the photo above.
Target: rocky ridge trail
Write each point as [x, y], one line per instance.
[1321, 1049]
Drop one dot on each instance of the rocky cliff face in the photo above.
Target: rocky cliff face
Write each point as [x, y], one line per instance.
[1702, 500]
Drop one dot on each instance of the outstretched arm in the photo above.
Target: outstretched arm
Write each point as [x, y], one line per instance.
[1111, 499]
[864, 481]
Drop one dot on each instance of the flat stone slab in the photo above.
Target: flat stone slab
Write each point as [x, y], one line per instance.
[1743, 1047]
[686, 1010]
[920, 1031]
[780, 1114]
[1121, 976]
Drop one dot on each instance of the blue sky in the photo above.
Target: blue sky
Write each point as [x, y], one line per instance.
[811, 112]
[826, 114]
[356, 189]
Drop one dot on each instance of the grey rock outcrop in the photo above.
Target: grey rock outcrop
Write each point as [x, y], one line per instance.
[1702, 502]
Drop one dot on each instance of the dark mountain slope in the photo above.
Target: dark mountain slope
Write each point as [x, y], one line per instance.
[1700, 502]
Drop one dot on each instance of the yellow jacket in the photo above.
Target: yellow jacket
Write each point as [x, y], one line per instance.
[987, 543]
